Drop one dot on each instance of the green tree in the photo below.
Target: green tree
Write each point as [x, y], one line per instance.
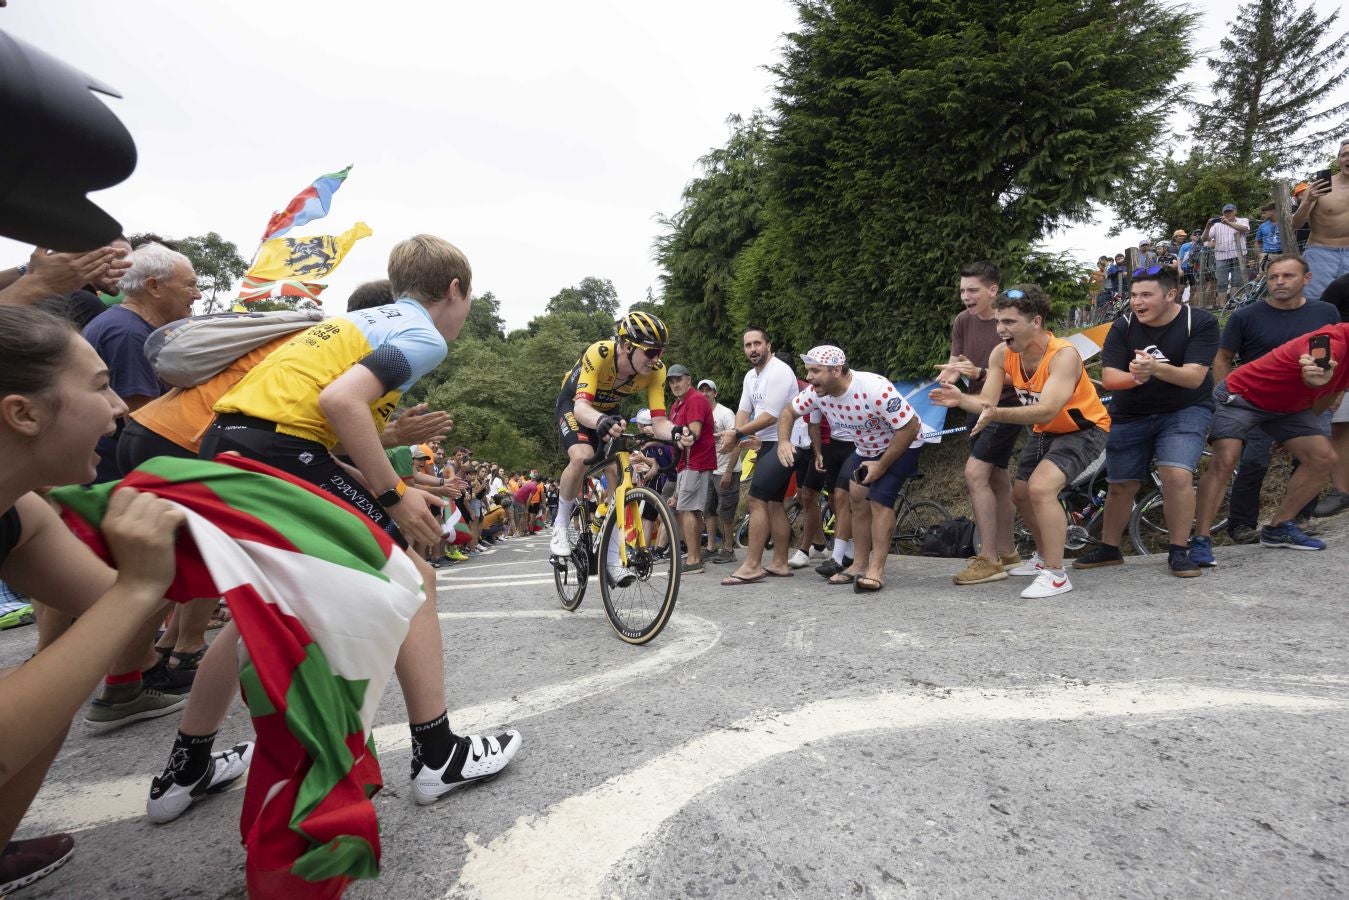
[910, 138]
[592, 295]
[218, 265]
[721, 215]
[1185, 192]
[484, 319]
[1273, 73]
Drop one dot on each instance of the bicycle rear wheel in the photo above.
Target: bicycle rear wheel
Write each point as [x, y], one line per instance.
[913, 524]
[571, 575]
[640, 609]
[1147, 525]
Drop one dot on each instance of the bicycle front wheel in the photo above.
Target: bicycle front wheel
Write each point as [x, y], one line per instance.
[639, 597]
[914, 523]
[570, 575]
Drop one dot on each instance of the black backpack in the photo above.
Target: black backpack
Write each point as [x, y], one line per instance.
[953, 538]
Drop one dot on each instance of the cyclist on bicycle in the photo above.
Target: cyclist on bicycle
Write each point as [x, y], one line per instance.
[606, 373]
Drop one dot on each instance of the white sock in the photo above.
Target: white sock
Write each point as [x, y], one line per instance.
[847, 550]
[564, 510]
[614, 558]
[840, 550]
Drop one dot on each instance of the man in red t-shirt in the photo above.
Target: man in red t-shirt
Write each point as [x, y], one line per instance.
[1286, 393]
[691, 414]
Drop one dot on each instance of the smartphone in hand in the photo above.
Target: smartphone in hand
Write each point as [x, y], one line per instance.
[859, 474]
[1322, 175]
[1318, 348]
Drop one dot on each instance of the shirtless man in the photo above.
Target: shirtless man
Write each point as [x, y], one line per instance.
[1326, 206]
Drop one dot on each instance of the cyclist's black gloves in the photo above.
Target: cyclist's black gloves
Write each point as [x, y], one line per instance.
[677, 432]
[605, 425]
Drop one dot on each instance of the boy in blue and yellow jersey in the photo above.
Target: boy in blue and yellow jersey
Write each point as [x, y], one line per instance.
[337, 383]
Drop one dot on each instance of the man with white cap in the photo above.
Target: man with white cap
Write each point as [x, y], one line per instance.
[884, 426]
[723, 494]
[1228, 234]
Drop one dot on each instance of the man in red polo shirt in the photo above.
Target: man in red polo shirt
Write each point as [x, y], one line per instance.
[1286, 393]
[692, 413]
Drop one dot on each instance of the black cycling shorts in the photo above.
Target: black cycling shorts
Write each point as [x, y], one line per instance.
[573, 432]
[306, 460]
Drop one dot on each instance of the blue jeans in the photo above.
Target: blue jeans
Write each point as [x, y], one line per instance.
[1176, 439]
[1326, 264]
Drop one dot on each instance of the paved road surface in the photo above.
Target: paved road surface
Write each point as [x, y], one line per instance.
[1140, 736]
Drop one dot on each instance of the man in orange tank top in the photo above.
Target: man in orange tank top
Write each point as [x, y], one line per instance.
[1069, 425]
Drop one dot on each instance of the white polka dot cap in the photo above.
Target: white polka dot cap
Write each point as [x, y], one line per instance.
[825, 355]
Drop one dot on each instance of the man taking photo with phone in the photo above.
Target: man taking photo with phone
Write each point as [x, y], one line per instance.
[1228, 234]
[1325, 205]
[1284, 393]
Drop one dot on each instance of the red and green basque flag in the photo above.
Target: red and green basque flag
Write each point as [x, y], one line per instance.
[322, 599]
[310, 204]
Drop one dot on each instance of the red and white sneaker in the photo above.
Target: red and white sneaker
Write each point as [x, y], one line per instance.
[1029, 568]
[1047, 584]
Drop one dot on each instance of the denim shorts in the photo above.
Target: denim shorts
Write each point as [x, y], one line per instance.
[1175, 439]
[1235, 418]
[1326, 264]
[884, 490]
[1233, 270]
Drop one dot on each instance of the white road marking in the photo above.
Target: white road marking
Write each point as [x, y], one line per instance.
[82, 805]
[569, 850]
[480, 585]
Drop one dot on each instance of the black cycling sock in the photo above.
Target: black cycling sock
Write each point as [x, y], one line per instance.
[818, 546]
[191, 757]
[431, 743]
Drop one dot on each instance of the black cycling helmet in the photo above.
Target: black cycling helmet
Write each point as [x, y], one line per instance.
[643, 330]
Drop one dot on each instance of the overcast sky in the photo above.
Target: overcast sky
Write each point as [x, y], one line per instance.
[542, 138]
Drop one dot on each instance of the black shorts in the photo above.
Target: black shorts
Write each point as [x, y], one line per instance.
[994, 445]
[836, 453]
[573, 432]
[807, 476]
[771, 478]
[308, 461]
[138, 443]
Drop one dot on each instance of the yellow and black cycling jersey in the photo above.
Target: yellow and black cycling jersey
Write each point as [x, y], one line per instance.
[594, 379]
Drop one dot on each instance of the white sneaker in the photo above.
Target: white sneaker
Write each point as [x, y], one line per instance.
[820, 552]
[621, 576]
[475, 757]
[560, 543]
[1030, 568]
[1047, 584]
[798, 559]
[169, 799]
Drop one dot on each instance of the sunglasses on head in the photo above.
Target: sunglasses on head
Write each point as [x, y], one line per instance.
[1149, 271]
[1014, 294]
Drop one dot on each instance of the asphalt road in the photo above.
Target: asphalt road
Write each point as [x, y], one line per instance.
[1142, 736]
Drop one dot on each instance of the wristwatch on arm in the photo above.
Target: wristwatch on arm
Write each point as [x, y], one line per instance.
[392, 495]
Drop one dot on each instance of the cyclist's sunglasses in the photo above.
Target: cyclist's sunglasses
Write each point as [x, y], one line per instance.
[1151, 271]
[652, 352]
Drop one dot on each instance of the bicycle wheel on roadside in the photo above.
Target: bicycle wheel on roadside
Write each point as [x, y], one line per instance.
[571, 575]
[914, 523]
[641, 607]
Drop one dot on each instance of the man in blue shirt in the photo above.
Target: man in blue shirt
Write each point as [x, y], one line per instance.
[1267, 238]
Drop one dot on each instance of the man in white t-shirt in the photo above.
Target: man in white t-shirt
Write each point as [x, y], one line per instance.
[723, 494]
[768, 387]
[885, 432]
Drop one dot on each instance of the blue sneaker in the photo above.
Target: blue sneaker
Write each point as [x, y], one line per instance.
[1201, 552]
[1289, 537]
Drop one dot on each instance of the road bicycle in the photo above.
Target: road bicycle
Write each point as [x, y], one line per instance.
[640, 604]
[1147, 524]
[1248, 293]
[1083, 503]
[913, 518]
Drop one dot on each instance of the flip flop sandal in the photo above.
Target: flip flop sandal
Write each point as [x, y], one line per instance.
[771, 574]
[863, 585]
[186, 661]
[733, 580]
[841, 578]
